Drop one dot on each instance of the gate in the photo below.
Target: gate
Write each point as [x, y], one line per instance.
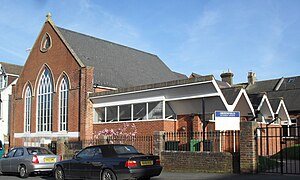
[278, 149]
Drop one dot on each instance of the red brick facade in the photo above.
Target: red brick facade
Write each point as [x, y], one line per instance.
[59, 60]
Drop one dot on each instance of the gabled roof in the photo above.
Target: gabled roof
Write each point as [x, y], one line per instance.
[275, 103]
[230, 94]
[11, 68]
[291, 98]
[287, 88]
[256, 99]
[117, 65]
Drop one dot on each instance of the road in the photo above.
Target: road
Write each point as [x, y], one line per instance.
[189, 176]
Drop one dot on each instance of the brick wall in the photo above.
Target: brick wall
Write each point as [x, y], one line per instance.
[145, 128]
[60, 62]
[197, 161]
[248, 153]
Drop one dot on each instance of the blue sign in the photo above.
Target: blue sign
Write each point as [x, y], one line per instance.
[227, 114]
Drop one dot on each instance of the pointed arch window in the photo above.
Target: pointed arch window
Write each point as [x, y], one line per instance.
[28, 95]
[46, 43]
[63, 104]
[45, 102]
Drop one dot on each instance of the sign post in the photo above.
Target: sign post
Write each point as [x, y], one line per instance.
[227, 121]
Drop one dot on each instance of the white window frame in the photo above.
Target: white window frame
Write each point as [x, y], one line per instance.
[27, 111]
[63, 104]
[44, 102]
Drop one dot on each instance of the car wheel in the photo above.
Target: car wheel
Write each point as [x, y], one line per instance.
[59, 173]
[108, 175]
[23, 172]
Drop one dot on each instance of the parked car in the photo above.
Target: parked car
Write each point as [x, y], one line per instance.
[108, 162]
[26, 160]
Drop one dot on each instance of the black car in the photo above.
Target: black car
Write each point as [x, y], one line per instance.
[108, 162]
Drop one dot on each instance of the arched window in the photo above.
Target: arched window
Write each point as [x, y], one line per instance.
[28, 95]
[44, 102]
[63, 104]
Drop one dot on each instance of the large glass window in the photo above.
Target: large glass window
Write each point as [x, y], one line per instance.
[44, 105]
[136, 112]
[63, 105]
[170, 114]
[155, 110]
[139, 111]
[112, 114]
[28, 95]
[125, 112]
[100, 114]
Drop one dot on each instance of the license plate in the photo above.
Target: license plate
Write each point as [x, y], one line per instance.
[146, 163]
[49, 160]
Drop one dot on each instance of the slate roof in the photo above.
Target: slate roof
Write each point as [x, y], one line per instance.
[275, 103]
[117, 65]
[262, 86]
[12, 68]
[287, 88]
[231, 94]
[256, 99]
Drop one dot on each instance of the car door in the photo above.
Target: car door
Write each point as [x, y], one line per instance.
[96, 163]
[80, 165]
[5, 161]
[17, 159]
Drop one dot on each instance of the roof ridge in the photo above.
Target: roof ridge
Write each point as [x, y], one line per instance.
[93, 37]
[1, 62]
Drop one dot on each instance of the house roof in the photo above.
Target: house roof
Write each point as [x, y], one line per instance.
[12, 68]
[262, 86]
[275, 103]
[287, 88]
[154, 86]
[116, 65]
[230, 94]
[256, 99]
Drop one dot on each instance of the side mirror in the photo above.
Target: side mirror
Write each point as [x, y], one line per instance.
[5, 156]
[74, 156]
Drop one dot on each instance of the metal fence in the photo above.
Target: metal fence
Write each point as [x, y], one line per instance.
[279, 149]
[143, 144]
[214, 141]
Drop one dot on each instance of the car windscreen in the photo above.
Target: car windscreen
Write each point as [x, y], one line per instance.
[38, 151]
[125, 150]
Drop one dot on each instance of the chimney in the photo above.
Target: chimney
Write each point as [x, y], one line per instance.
[251, 77]
[227, 77]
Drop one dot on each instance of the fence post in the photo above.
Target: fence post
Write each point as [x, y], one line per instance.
[248, 150]
[159, 142]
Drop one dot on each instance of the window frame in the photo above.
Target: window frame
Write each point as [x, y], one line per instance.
[44, 105]
[63, 104]
[27, 111]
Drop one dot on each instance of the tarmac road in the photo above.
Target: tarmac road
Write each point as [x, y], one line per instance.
[188, 176]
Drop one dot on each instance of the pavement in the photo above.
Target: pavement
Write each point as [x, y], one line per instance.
[220, 176]
[187, 176]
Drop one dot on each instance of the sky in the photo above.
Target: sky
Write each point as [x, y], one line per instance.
[189, 36]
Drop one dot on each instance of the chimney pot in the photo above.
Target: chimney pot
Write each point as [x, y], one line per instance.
[227, 77]
[251, 77]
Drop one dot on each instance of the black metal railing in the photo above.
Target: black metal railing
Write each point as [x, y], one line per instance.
[214, 141]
